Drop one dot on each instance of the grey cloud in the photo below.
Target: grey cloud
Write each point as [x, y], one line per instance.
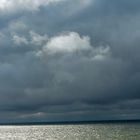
[99, 82]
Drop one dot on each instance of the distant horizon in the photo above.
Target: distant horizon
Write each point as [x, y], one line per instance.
[71, 122]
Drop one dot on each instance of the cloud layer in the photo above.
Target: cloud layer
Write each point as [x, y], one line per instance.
[29, 5]
[69, 60]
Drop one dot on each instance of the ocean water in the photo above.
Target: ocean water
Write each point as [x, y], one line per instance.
[122, 131]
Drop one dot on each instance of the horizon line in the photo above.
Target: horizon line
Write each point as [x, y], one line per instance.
[69, 122]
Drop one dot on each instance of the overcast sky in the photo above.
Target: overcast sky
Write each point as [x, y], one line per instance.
[65, 60]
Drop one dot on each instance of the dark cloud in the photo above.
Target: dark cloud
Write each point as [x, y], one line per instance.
[70, 61]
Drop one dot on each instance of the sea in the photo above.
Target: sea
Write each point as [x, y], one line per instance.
[97, 131]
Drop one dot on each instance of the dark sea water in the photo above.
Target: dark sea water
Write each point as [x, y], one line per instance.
[119, 131]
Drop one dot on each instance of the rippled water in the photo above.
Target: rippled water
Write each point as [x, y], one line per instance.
[72, 132]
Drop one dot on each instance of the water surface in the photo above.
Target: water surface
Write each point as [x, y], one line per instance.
[72, 132]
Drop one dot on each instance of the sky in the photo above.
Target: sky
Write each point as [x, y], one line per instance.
[69, 60]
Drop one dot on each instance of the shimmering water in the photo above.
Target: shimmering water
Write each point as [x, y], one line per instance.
[72, 132]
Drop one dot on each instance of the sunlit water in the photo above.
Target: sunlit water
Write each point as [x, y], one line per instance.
[72, 132]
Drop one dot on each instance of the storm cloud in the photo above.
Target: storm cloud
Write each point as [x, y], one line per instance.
[69, 60]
